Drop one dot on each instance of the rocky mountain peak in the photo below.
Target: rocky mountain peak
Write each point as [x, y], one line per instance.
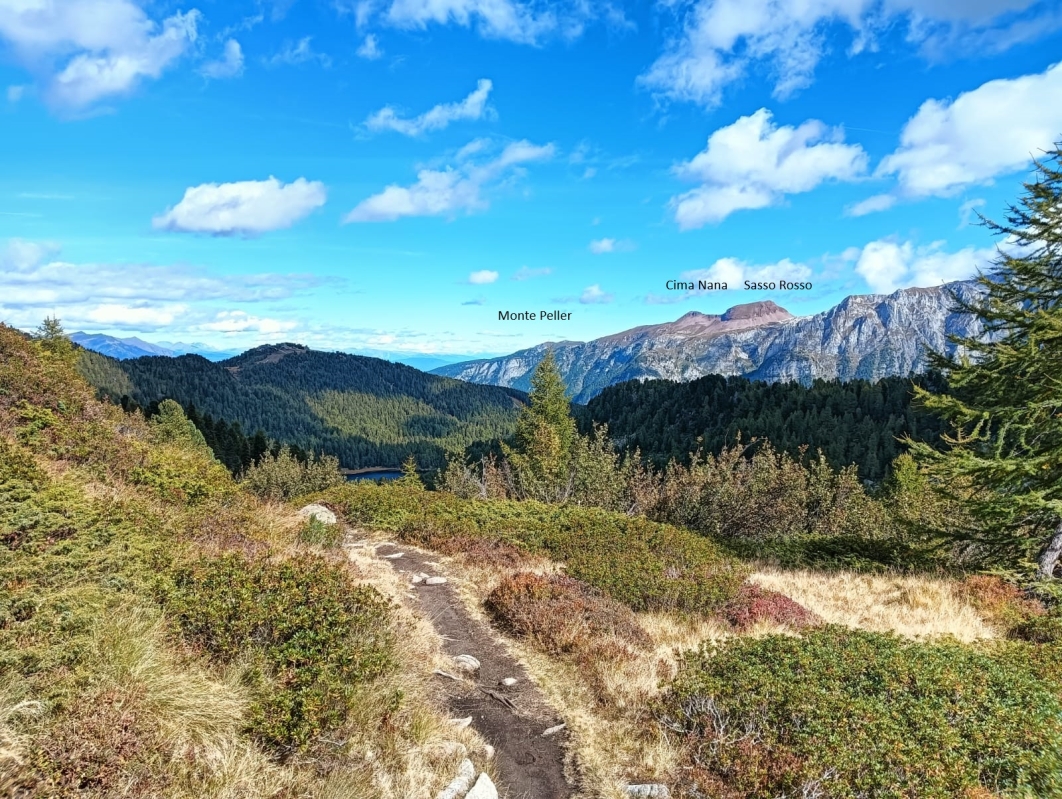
[756, 310]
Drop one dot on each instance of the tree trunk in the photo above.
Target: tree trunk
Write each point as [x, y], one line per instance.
[1049, 557]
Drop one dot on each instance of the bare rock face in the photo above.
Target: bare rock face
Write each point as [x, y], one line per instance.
[483, 789]
[869, 337]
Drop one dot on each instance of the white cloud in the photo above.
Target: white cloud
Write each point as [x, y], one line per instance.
[35, 282]
[721, 41]
[230, 65]
[370, 49]
[601, 246]
[439, 192]
[84, 51]
[15, 93]
[990, 131]
[526, 273]
[967, 211]
[482, 277]
[595, 295]
[244, 208]
[754, 163]
[494, 19]
[871, 205]
[299, 53]
[242, 322]
[734, 271]
[472, 107]
[889, 265]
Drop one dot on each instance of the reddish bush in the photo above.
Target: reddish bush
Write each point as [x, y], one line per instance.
[560, 614]
[1003, 604]
[479, 550]
[754, 604]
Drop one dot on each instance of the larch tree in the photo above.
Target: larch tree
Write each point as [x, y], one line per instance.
[1003, 454]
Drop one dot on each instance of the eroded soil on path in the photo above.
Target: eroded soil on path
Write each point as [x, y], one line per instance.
[511, 718]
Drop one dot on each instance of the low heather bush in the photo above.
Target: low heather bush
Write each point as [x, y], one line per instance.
[560, 614]
[754, 605]
[318, 636]
[643, 564]
[843, 713]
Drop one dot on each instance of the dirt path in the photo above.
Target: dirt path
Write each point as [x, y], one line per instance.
[512, 719]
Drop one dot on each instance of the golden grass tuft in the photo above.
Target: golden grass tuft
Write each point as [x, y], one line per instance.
[915, 607]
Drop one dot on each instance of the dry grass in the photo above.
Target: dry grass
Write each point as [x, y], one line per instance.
[916, 607]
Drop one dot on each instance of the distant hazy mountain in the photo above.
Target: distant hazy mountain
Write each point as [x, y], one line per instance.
[120, 348]
[366, 411]
[869, 337]
[208, 352]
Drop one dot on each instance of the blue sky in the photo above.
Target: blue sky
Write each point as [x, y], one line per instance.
[389, 174]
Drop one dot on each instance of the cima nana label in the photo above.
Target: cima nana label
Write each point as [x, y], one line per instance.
[749, 285]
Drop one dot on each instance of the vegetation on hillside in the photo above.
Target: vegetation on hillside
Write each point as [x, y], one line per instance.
[1003, 453]
[855, 423]
[164, 633]
[364, 411]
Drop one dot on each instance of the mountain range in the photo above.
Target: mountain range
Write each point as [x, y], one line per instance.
[863, 337]
[133, 347]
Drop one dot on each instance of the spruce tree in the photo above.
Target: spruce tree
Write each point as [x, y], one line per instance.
[545, 434]
[1003, 455]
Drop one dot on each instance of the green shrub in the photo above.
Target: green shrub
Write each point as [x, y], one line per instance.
[283, 476]
[318, 534]
[644, 564]
[842, 713]
[318, 636]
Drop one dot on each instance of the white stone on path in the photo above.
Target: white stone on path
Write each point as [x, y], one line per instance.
[435, 581]
[553, 730]
[467, 664]
[323, 514]
[459, 785]
[488, 751]
[483, 789]
[653, 790]
[394, 555]
[508, 682]
[459, 723]
[416, 579]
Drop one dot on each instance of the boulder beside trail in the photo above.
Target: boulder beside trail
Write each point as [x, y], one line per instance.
[483, 789]
[320, 512]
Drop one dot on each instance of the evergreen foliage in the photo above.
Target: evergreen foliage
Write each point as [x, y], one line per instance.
[1003, 453]
[856, 423]
[365, 411]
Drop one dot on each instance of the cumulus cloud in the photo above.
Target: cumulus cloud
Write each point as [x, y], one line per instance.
[990, 131]
[526, 273]
[244, 208]
[602, 246]
[370, 49]
[721, 41]
[448, 191]
[84, 51]
[230, 65]
[36, 282]
[754, 163]
[483, 276]
[299, 53]
[472, 107]
[889, 265]
[733, 272]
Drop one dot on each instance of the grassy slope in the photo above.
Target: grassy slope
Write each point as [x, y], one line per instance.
[112, 677]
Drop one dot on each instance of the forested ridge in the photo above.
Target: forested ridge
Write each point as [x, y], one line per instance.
[365, 411]
[857, 422]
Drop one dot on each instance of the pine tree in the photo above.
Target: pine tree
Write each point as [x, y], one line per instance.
[54, 340]
[545, 433]
[410, 476]
[1004, 451]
